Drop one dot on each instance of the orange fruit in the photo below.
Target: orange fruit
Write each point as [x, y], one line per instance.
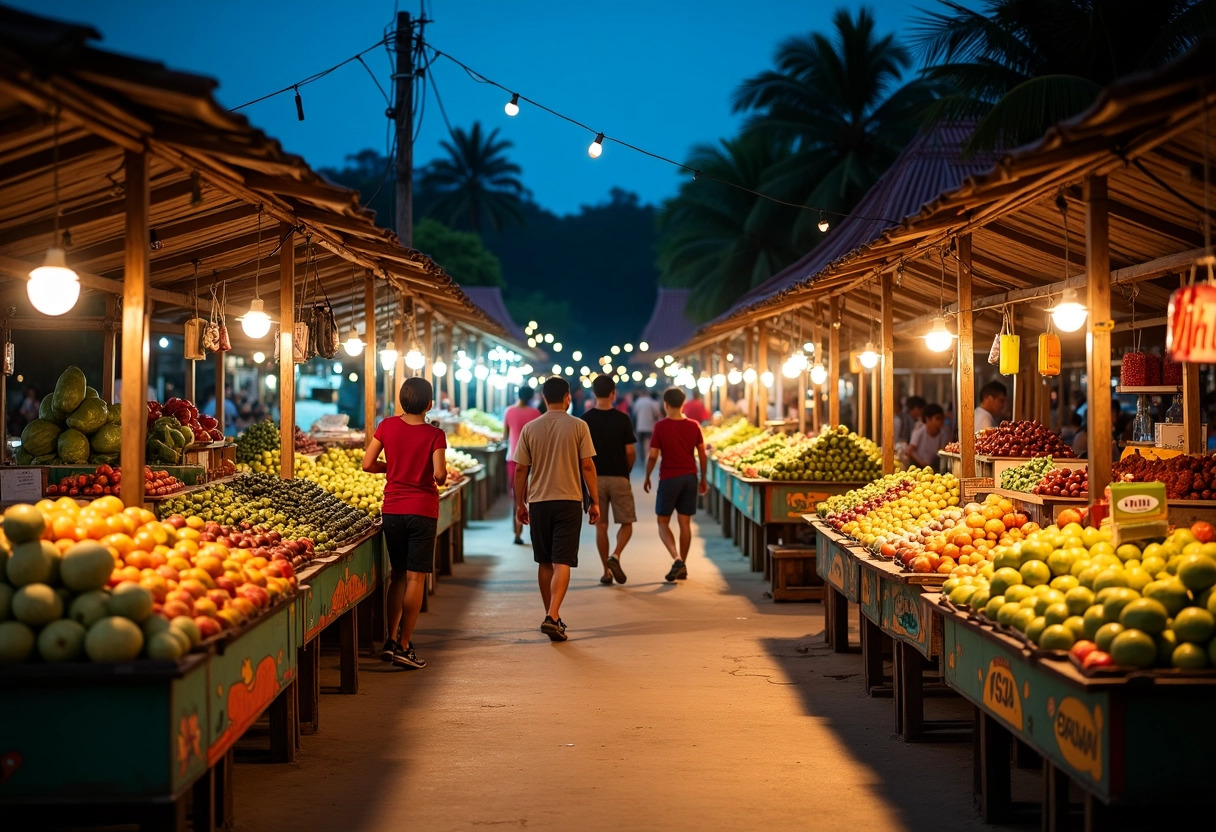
[994, 526]
[975, 521]
[63, 527]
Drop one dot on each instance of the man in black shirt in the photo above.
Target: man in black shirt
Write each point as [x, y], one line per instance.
[615, 452]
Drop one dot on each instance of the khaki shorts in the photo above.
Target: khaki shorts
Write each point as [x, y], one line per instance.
[618, 493]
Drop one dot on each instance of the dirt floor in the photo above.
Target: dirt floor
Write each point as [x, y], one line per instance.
[695, 705]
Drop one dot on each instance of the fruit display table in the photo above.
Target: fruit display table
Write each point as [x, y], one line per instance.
[142, 735]
[837, 565]
[449, 532]
[1108, 735]
[469, 491]
[494, 458]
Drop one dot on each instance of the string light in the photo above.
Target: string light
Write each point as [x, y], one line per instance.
[749, 376]
[512, 107]
[596, 147]
[938, 338]
[703, 383]
[1068, 315]
[415, 360]
[767, 378]
[54, 288]
[643, 346]
[440, 369]
[353, 345]
[824, 225]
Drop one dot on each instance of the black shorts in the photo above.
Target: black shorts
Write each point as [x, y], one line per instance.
[677, 494]
[410, 539]
[556, 525]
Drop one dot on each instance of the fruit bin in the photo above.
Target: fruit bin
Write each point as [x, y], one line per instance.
[992, 466]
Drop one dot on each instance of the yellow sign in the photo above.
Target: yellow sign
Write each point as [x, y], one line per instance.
[1079, 736]
[1001, 692]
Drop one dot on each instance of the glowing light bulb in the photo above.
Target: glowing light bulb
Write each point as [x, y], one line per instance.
[749, 376]
[512, 107]
[703, 383]
[652, 381]
[629, 348]
[1069, 315]
[615, 350]
[767, 378]
[259, 357]
[734, 376]
[463, 375]
[557, 346]
[53, 288]
[440, 369]
[596, 147]
[790, 369]
[938, 338]
[353, 345]
[798, 361]
[388, 357]
[415, 360]
[482, 372]
[719, 380]
[548, 338]
[869, 356]
[819, 374]
[824, 225]
[577, 355]
[644, 346]
[255, 323]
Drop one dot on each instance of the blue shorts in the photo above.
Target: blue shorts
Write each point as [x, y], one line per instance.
[677, 494]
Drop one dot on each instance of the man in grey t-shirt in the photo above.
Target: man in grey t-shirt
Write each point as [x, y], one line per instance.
[553, 457]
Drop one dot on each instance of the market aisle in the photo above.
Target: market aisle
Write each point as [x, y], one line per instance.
[698, 705]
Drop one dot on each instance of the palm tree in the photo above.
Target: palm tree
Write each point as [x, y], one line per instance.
[1020, 66]
[475, 183]
[839, 102]
[721, 241]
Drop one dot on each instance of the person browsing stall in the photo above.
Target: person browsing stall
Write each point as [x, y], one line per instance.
[928, 437]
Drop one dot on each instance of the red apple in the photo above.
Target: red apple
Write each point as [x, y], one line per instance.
[179, 595]
[194, 586]
[168, 572]
[1097, 658]
[246, 606]
[176, 521]
[172, 609]
[225, 583]
[207, 626]
[218, 597]
[1082, 649]
[259, 596]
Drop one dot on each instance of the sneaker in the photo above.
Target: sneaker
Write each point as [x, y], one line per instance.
[678, 570]
[606, 580]
[555, 630]
[683, 574]
[407, 658]
[389, 650]
[614, 566]
[519, 541]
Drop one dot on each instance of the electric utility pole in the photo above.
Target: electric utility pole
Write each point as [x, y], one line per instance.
[404, 78]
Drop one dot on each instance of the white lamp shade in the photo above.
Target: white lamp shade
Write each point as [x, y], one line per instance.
[749, 375]
[414, 360]
[353, 345]
[767, 378]
[53, 288]
[869, 356]
[255, 323]
[938, 338]
[1069, 316]
[819, 374]
[388, 357]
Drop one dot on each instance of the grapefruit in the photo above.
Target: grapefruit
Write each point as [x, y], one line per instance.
[37, 604]
[185, 625]
[1106, 634]
[1189, 657]
[993, 606]
[1057, 637]
[32, 562]
[1171, 592]
[1079, 599]
[114, 639]
[1144, 614]
[1045, 599]
[1166, 643]
[1117, 597]
[1035, 573]
[1194, 625]
[1023, 619]
[1076, 624]
[1133, 648]
[89, 607]
[1128, 551]
[1064, 583]
[1198, 572]
[1094, 617]
[1018, 592]
[1008, 610]
[86, 566]
[130, 600]
[1002, 579]
[1035, 629]
[23, 523]
[16, 642]
[61, 641]
[1056, 613]
[979, 598]
[165, 645]
[1109, 577]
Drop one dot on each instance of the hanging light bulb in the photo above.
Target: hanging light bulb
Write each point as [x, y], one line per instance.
[388, 357]
[819, 373]
[824, 225]
[703, 383]
[790, 369]
[869, 356]
[415, 360]
[749, 376]
[644, 346]
[719, 379]
[259, 357]
[440, 369]
[596, 147]
[353, 343]
[255, 323]
[53, 288]
[482, 372]
[464, 376]
[1069, 315]
[734, 376]
[798, 362]
[767, 378]
[512, 107]
[938, 338]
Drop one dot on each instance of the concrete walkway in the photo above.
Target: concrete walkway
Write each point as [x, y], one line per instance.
[697, 705]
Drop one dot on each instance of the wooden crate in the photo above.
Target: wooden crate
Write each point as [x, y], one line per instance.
[793, 575]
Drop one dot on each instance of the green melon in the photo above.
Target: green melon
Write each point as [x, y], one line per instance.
[69, 389]
[107, 439]
[23, 457]
[61, 641]
[37, 604]
[23, 523]
[114, 639]
[39, 437]
[89, 607]
[90, 416]
[16, 642]
[73, 447]
[85, 566]
[48, 413]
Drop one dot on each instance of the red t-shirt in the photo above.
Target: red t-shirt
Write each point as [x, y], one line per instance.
[514, 420]
[676, 441]
[409, 452]
[695, 409]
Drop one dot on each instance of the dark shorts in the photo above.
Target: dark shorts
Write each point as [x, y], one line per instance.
[410, 539]
[556, 525]
[677, 494]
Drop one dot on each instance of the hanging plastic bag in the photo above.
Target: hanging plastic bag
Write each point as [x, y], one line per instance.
[1011, 346]
[1049, 354]
[994, 354]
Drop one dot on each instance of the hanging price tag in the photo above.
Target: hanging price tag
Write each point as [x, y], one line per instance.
[1191, 336]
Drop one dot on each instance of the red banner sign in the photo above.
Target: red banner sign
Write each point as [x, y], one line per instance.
[1191, 335]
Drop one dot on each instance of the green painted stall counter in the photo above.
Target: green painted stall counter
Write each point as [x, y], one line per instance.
[793, 576]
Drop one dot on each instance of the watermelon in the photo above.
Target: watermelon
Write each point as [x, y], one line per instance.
[48, 413]
[73, 447]
[107, 439]
[91, 393]
[89, 417]
[39, 437]
[69, 389]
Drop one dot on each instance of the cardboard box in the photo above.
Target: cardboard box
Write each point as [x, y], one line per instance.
[1169, 435]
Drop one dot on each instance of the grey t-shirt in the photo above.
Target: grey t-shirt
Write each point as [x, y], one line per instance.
[553, 447]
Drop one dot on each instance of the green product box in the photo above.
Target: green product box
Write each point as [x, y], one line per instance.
[1139, 511]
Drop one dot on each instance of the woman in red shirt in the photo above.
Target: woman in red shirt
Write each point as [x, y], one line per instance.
[415, 467]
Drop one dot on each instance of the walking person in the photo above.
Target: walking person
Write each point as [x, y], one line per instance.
[676, 439]
[415, 468]
[646, 411]
[615, 452]
[514, 420]
[554, 458]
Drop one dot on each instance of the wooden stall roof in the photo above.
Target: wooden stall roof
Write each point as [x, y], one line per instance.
[212, 174]
[669, 324]
[1146, 133]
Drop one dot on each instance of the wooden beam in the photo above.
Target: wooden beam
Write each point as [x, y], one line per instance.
[428, 347]
[1190, 236]
[888, 375]
[966, 358]
[1097, 338]
[135, 329]
[287, 364]
[319, 192]
[761, 368]
[169, 233]
[834, 362]
[369, 359]
[399, 367]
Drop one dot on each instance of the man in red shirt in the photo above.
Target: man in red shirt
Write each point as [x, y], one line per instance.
[514, 420]
[694, 409]
[414, 468]
[675, 439]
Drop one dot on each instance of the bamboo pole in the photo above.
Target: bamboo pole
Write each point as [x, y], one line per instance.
[369, 359]
[109, 355]
[398, 368]
[428, 347]
[966, 359]
[1193, 440]
[888, 374]
[834, 362]
[220, 382]
[287, 364]
[450, 378]
[761, 369]
[1097, 340]
[135, 328]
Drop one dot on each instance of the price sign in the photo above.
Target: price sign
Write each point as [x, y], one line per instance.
[21, 485]
[1138, 511]
[1191, 335]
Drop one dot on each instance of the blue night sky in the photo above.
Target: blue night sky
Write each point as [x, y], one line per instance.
[655, 73]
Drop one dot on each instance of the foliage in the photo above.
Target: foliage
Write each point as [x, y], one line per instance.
[370, 174]
[1021, 66]
[542, 306]
[475, 185]
[461, 253]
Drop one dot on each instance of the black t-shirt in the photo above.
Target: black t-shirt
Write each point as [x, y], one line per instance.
[611, 431]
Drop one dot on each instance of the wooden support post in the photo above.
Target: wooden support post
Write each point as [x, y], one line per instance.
[479, 384]
[1097, 339]
[287, 364]
[428, 347]
[802, 388]
[722, 371]
[450, 378]
[1193, 440]
[220, 383]
[966, 359]
[399, 368]
[833, 362]
[369, 359]
[875, 404]
[109, 355]
[861, 403]
[888, 374]
[135, 307]
[761, 369]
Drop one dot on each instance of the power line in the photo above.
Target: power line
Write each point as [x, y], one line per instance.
[316, 77]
